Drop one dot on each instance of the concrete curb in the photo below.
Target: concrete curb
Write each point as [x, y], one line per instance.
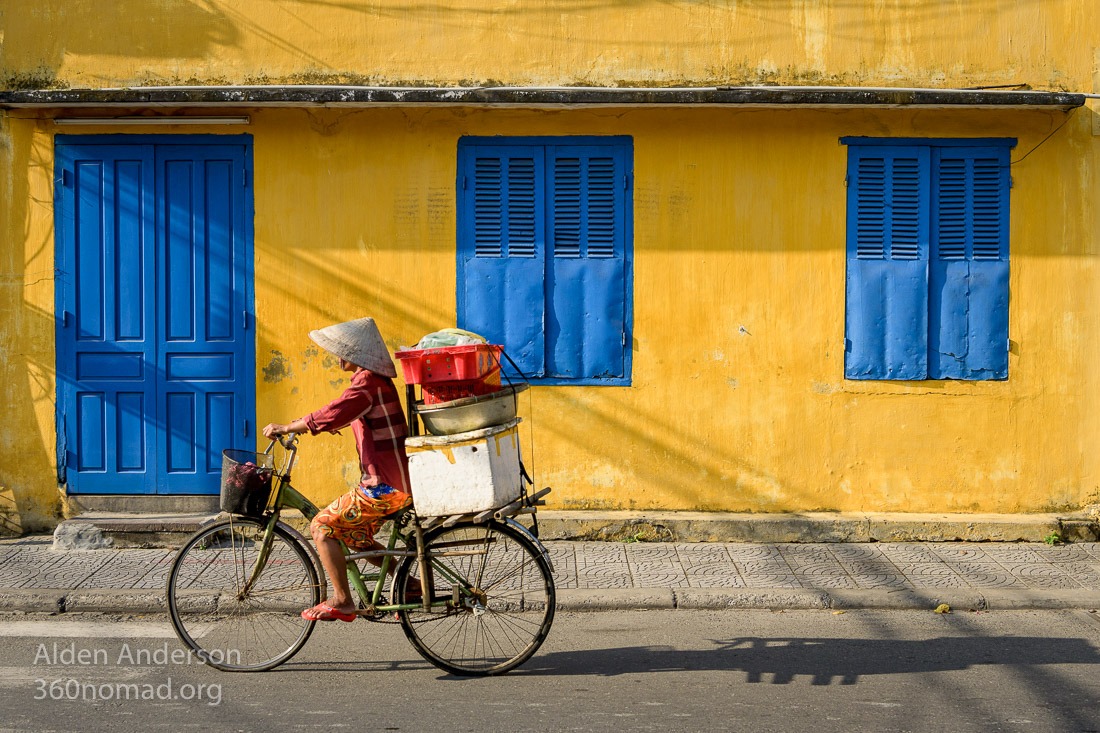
[636, 599]
[95, 530]
[811, 527]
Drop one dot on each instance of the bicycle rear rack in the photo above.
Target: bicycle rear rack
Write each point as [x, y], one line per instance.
[522, 505]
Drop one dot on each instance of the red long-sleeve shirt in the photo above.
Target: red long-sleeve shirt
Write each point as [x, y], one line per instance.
[373, 410]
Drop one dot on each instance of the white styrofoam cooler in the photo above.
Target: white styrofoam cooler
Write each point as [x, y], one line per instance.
[465, 472]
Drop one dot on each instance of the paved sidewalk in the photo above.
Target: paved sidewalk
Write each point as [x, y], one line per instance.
[608, 576]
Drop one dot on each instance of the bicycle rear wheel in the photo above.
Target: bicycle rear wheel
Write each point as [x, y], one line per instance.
[228, 623]
[504, 592]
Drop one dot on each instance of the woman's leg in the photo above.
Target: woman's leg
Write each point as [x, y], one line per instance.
[332, 557]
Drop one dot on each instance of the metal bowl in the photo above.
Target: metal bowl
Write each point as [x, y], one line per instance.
[470, 413]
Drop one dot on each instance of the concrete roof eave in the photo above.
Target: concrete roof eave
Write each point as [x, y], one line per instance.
[535, 97]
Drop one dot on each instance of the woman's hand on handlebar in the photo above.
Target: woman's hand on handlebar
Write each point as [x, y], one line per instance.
[273, 430]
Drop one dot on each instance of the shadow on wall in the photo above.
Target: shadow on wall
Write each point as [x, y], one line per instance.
[41, 34]
[38, 37]
[28, 484]
[10, 521]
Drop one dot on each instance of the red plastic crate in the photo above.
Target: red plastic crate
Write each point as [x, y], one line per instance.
[449, 363]
[437, 392]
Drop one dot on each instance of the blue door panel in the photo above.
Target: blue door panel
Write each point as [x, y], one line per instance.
[91, 420]
[587, 232]
[587, 300]
[154, 288]
[970, 264]
[887, 319]
[502, 252]
[969, 318]
[132, 433]
[949, 318]
[106, 363]
[202, 356]
[505, 304]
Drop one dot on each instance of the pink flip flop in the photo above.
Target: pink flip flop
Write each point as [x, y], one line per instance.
[324, 612]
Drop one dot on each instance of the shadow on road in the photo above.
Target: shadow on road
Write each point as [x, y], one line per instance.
[824, 661]
[779, 661]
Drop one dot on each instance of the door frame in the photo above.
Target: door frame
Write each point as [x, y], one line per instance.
[244, 141]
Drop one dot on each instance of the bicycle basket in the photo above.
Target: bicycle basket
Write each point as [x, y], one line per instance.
[246, 482]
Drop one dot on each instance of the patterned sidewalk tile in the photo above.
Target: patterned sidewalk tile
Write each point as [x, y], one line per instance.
[564, 560]
[657, 574]
[750, 553]
[875, 573]
[803, 555]
[857, 552]
[881, 580]
[873, 566]
[1066, 553]
[593, 554]
[604, 576]
[826, 582]
[758, 577]
[960, 553]
[986, 575]
[135, 569]
[771, 566]
[714, 575]
[697, 554]
[1085, 573]
[1043, 576]
[910, 553]
[930, 575]
[47, 569]
[639, 552]
[1014, 554]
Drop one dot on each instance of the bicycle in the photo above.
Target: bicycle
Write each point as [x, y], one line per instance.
[474, 593]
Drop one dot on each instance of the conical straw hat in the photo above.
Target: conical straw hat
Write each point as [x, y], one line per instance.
[359, 342]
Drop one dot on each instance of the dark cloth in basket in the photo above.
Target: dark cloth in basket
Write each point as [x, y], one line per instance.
[245, 488]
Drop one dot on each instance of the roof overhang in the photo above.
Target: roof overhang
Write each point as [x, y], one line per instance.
[536, 97]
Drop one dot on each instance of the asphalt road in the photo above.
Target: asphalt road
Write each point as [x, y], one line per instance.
[1027, 671]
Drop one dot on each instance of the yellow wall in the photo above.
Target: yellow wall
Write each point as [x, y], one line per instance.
[90, 43]
[738, 399]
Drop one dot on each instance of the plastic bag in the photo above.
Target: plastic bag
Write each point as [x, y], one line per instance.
[449, 337]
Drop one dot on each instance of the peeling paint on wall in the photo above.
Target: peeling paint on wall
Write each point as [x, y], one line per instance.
[277, 368]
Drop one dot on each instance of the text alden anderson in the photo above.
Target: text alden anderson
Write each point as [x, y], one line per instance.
[69, 656]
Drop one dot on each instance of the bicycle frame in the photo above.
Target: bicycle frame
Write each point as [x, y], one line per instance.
[287, 497]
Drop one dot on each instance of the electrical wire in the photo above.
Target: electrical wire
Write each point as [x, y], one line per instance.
[1037, 146]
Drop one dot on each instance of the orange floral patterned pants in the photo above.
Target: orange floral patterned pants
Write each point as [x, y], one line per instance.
[355, 517]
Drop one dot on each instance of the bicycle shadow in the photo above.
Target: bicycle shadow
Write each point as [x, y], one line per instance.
[780, 661]
[777, 660]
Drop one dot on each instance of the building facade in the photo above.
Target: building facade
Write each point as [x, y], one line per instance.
[787, 256]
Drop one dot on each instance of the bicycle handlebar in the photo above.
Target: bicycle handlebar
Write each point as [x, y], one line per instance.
[288, 441]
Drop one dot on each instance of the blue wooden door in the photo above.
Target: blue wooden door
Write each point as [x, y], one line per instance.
[155, 352]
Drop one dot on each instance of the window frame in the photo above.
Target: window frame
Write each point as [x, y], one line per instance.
[541, 145]
[904, 337]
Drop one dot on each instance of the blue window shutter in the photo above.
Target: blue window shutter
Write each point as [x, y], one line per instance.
[587, 270]
[502, 249]
[968, 320]
[886, 317]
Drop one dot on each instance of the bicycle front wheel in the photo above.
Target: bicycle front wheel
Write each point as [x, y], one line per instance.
[500, 599]
[236, 601]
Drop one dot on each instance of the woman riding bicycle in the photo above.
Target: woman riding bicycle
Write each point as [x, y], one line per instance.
[372, 408]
